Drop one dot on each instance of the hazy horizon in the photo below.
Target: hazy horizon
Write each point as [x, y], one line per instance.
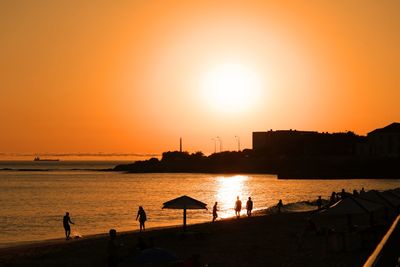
[78, 156]
[130, 155]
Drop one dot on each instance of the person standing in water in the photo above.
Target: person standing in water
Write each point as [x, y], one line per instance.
[141, 215]
[215, 209]
[112, 249]
[249, 206]
[238, 207]
[67, 227]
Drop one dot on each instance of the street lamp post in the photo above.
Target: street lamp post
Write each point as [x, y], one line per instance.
[238, 141]
[215, 144]
[220, 143]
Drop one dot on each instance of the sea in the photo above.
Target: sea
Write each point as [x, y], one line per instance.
[34, 196]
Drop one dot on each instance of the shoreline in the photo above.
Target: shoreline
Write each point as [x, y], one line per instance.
[268, 237]
[292, 207]
[276, 239]
[287, 208]
[52, 241]
[60, 240]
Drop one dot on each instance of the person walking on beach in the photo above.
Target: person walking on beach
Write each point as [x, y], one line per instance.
[249, 206]
[279, 205]
[112, 249]
[215, 209]
[67, 227]
[141, 215]
[238, 207]
[319, 202]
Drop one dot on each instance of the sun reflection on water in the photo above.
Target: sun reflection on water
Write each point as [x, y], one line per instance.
[228, 189]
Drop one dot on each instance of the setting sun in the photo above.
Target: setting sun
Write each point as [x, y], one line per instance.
[201, 133]
[231, 88]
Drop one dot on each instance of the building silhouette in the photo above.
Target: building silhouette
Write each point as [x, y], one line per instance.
[304, 143]
[382, 142]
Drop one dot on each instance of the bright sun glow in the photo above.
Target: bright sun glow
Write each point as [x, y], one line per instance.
[231, 88]
[228, 189]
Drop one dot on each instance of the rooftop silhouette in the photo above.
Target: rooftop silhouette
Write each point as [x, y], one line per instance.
[293, 154]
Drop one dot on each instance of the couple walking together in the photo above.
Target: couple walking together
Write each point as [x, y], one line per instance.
[238, 208]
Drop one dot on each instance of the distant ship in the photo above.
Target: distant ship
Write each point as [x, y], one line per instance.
[37, 158]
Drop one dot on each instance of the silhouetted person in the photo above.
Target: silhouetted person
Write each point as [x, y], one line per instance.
[141, 215]
[319, 202]
[355, 192]
[279, 205]
[215, 209]
[337, 197]
[249, 206]
[112, 249]
[362, 191]
[333, 199]
[67, 227]
[343, 194]
[238, 207]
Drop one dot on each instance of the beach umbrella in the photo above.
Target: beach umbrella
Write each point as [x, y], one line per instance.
[185, 203]
[353, 205]
[392, 197]
[350, 207]
[387, 198]
[396, 192]
[384, 198]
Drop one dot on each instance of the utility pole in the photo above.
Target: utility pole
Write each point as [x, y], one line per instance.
[180, 144]
[238, 142]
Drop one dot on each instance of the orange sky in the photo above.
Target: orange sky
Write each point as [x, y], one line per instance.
[127, 76]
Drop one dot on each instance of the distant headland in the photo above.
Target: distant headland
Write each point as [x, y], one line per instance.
[292, 154]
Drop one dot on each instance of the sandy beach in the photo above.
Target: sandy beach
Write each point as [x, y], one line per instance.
[266, 239]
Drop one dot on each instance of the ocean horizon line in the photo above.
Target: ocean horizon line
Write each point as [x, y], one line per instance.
[12, 155]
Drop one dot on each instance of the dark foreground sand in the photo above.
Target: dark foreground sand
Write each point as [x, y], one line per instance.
[264, 240]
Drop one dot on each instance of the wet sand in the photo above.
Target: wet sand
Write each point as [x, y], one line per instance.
[268, 239]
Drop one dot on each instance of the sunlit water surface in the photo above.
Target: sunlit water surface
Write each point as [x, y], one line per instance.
[34, 202]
